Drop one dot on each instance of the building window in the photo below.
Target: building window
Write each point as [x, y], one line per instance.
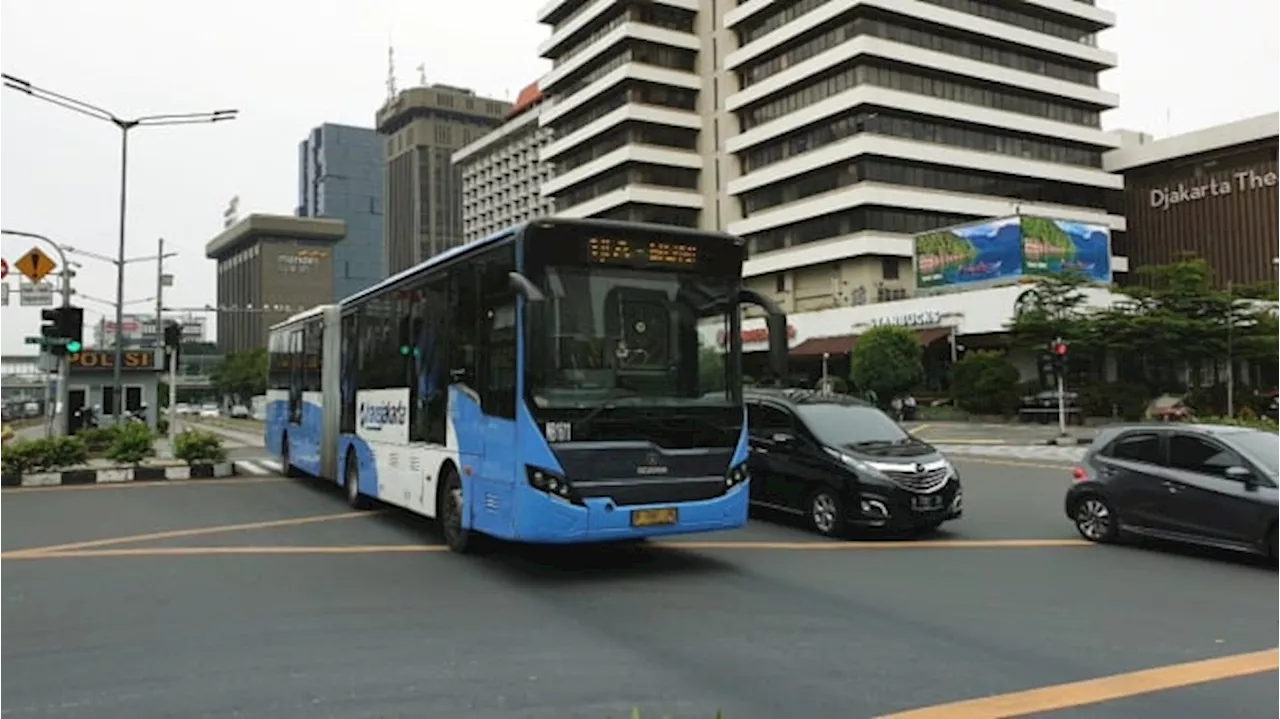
[889, 268]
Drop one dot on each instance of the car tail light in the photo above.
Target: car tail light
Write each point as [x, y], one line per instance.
[1079, 474]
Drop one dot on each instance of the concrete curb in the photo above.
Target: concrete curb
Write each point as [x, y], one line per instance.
[117, 475]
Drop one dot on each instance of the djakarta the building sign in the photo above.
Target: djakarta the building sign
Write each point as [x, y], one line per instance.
[1183, 193]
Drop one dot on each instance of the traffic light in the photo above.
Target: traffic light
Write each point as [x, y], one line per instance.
[172, 335]
[1058, 353]
[62, 329]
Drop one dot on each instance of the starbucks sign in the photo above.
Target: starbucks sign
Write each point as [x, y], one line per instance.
[1183, 192]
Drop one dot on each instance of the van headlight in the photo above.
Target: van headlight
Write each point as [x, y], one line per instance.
[554, 484]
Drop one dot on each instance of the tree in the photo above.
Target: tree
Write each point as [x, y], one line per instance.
[985, 383]
[1055, 306]
[241, 376]
[888, 361]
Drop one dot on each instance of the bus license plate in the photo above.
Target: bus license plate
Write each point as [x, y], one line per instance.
[926, 502]
[654, 517]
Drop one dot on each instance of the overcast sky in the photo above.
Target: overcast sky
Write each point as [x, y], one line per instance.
[289, 65]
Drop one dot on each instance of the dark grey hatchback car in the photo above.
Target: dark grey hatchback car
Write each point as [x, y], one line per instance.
[1202, 484]
[842, 463]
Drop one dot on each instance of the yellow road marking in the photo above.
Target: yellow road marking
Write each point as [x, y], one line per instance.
[963, 440]
[207, 551]
[87, 552]
[145, 484]
[173, 534]
[921, 428]
[1094, 691]
[908, 544]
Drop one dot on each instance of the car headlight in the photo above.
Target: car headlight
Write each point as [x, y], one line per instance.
[856, 464]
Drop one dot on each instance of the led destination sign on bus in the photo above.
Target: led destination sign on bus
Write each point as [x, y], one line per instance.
[605, 250]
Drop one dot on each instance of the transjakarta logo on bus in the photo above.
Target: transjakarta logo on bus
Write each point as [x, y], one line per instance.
[376, 416]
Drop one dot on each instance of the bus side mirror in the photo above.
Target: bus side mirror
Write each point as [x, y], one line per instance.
[776, 323]
[521, 285]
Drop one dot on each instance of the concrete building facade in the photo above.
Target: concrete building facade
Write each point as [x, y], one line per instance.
[270, 267]
[421, 128]
[1214, 192]
[502, 173]
[340, 177]
[829, 132]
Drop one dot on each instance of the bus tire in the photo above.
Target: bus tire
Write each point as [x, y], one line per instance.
[286, 460]
[351, 480]
[449, 510]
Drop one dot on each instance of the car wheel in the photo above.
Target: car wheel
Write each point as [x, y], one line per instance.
[826, 513]
[352, 478]
[1095, 519]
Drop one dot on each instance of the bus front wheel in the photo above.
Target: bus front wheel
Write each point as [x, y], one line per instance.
[449, 508]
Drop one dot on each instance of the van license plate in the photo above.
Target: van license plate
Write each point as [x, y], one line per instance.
[654, 517]
[926, 502]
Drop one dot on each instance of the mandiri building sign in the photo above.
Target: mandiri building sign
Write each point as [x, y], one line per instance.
[1182, 193]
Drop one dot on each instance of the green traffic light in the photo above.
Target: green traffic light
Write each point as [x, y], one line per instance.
[74, 347]
[404, 350]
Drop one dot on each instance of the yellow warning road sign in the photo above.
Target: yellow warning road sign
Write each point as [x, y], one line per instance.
[35, 265]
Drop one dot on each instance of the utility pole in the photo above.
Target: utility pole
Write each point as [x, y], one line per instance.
[1231, 362]
[160, 349]
[63, 395]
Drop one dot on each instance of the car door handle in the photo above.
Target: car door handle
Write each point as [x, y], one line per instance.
[1172, 487]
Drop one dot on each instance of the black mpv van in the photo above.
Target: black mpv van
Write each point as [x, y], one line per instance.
[845, 464]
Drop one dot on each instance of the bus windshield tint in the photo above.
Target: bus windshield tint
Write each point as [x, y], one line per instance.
[625, 337]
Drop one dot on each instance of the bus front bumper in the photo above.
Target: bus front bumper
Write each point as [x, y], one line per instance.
[541, 518]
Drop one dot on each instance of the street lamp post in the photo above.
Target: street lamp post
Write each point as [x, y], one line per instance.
[125, 126]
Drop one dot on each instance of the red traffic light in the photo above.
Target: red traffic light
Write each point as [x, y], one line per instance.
[1060, 349]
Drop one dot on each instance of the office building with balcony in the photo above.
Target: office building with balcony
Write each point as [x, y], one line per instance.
[421, 128]
[340, 177]
[270, 267]
[829, 132]
[502, 173]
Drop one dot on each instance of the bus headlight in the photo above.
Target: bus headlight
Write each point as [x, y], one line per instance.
[547, 481]
[735, 476]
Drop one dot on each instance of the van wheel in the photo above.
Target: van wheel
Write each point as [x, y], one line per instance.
[826, 513]
[352, 475]
[449, 509]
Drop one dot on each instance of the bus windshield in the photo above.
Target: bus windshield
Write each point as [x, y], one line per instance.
[617, 336]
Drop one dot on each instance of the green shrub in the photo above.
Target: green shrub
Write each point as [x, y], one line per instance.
[197, 445]
[43, 455]
[985, 383]
[133, 443]
[162, 427]
[1265, 424]
[98, 439]
[1107, 399]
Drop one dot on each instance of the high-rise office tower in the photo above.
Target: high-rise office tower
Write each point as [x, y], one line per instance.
[827, 132]
[502, 174]
[340, 177]
[421, 128]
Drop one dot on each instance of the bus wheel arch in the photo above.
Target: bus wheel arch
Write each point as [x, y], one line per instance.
[449, 509]
[351, 481]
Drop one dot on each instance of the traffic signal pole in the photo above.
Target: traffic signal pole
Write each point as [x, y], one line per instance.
[1062, 400]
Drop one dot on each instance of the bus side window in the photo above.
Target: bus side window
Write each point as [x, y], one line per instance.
[464, 310]
[496, 382]
[348, 369]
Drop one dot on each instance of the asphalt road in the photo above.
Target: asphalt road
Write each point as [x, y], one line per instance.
[296, 607]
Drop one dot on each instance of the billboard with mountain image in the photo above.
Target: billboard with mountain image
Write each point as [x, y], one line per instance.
[1054, 247]
[968, 254]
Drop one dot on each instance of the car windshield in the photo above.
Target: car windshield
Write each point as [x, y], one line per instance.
[855, 426]
[1261, 447]
[625, 337]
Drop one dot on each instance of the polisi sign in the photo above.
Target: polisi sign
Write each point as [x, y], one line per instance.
[376, 415]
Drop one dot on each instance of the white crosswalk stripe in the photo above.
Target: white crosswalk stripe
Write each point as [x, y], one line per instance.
[258, 467]
[1042, 453]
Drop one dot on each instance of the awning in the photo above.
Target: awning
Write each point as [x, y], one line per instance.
[844, 344]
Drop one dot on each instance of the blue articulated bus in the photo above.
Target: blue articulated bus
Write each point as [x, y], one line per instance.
[558, 382]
